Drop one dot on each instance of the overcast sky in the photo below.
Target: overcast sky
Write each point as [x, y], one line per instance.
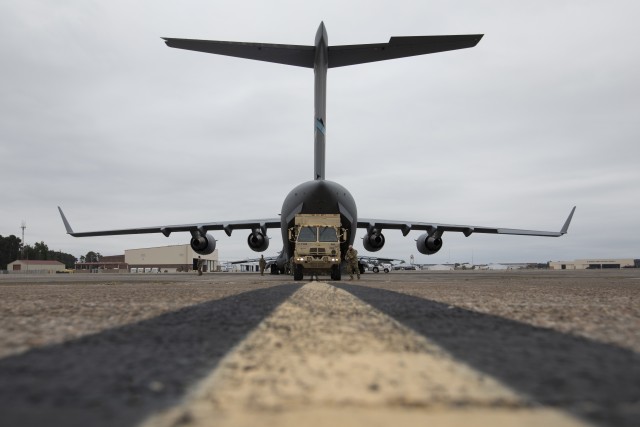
[98, 116]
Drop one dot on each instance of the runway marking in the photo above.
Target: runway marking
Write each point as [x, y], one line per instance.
[324, 357]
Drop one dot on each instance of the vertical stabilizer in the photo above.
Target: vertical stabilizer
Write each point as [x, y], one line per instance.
[320, 66]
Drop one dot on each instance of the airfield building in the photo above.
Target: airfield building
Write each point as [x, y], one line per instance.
[34, 266]
[107, 264]
[584, 264]
[163, 259]
[170, 259]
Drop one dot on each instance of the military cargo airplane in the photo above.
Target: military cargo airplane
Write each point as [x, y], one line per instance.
[321, 196]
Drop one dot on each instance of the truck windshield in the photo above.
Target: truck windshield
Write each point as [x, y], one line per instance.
[307, 234]
[328, 234]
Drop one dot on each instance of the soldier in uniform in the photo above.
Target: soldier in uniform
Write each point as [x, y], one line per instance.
[351, 256]
[200, 263]
[262, 264]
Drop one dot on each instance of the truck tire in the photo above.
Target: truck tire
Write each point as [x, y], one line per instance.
[297, 272]
[376, 270]
[336, 274]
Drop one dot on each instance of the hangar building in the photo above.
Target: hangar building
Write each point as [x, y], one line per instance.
[584, 264]
[175, 258]
[107, 264]
[34, 266]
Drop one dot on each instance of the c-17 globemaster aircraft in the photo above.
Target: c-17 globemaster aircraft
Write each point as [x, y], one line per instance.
[319, 196]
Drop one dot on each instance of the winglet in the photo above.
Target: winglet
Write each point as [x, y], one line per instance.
[66, 223]
[565, 227]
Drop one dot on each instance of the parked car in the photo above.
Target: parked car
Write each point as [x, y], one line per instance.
[380, 267]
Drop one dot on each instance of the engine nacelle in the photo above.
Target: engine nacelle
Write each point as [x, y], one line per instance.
[373, 241]
[428, 245]
[257, 241]
[203, 245]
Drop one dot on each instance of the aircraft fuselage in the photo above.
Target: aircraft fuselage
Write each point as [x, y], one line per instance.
[318, 197]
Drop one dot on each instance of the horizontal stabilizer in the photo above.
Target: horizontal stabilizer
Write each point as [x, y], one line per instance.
[300, 56]
[339, 56]
[398, 47]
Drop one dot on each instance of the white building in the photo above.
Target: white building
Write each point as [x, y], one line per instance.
[583, 264]
[439, 267]
[170, 259]
[34, 266]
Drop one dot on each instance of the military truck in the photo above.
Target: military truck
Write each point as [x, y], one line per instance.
[316, 240]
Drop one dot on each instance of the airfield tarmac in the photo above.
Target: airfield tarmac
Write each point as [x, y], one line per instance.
[239, 349]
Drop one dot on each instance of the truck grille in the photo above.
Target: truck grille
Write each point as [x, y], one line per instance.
[317, 250]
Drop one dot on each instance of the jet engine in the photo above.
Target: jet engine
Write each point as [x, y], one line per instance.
[258, 241]
[203, 245]
[428, 245]
[373, 241]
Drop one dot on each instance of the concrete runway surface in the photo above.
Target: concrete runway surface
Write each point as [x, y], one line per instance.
[553, 348]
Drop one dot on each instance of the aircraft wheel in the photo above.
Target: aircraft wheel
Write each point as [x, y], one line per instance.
[297, 272]
[274, 269]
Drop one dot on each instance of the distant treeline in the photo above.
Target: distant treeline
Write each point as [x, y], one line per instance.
[11, 249]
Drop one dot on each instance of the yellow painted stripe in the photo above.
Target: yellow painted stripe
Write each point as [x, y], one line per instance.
[324, 357]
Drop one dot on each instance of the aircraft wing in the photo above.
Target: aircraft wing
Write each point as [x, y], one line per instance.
[226, 226]
[467, 230]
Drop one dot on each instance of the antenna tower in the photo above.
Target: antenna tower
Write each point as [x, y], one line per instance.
[23, 226]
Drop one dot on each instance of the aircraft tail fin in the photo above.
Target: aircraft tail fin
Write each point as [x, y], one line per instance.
[321, 56]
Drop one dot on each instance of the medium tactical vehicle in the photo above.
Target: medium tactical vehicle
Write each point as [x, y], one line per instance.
[316, 241]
